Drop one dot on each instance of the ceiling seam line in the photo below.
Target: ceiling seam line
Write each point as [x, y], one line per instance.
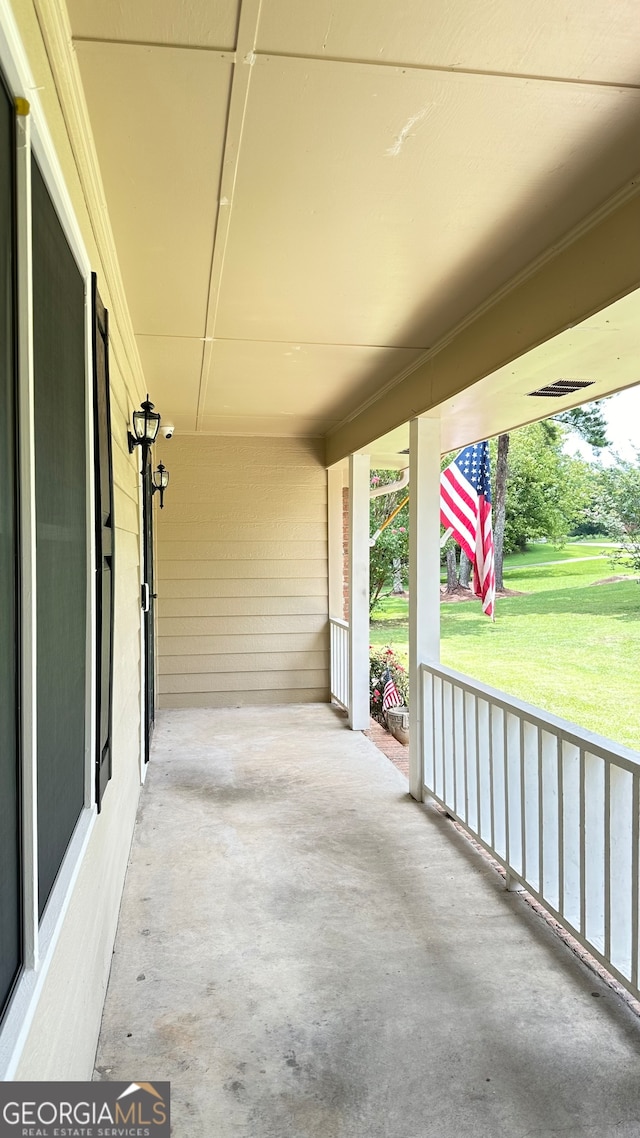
[227, 53]
[230, 55]
[285, 343]
[238, 98]
[446, 69]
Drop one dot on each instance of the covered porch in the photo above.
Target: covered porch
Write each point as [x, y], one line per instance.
[315, 231]
[305, 950]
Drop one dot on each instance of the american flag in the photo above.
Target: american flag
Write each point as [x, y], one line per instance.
[390, 693]
[465, 507]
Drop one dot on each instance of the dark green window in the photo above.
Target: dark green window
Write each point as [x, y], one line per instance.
[61, 533]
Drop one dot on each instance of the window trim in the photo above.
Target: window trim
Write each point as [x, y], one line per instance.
[17, 586]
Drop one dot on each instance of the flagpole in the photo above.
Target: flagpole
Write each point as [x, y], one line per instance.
[373, 540]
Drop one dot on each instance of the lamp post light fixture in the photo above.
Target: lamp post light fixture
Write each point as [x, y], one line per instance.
[146, 424]
[160, 481]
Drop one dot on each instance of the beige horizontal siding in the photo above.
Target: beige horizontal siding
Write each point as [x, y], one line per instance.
[260, 507]
[244, 456]
[244, 548]
[126, 661]
[125, 469]
[242, 662]
[246, 606]
[126, 512]
[259, 532]
[246, 699]
[237, 625]
[126, 706]
[263, 680]
[188, 588]
[263, 483]
[176, 569]
[242, 573]
[298, 644]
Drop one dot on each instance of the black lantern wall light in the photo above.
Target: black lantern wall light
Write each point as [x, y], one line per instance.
[146, 424]
[160, 481]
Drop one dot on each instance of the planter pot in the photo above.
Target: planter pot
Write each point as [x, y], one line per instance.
[398, 724]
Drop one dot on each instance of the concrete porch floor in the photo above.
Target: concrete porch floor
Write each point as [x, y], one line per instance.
[305, 952]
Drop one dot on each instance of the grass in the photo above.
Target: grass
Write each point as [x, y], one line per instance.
[567, 646]
[544, 552]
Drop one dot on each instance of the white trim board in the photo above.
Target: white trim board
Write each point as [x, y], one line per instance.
[24, 1001]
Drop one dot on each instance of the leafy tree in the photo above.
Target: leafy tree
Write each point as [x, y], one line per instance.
[589, 422]
[619, 511]
[390, 554]
[548, 490]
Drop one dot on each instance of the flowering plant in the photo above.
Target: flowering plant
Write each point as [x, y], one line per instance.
[379, 660]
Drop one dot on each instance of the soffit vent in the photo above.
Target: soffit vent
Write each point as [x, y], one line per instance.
[561, 387]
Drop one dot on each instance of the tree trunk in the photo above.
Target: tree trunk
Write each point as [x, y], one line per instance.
[397, 576]
[452, 569]
[465, 569]
[500, 506]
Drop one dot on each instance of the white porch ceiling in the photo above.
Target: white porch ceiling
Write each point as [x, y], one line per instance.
[306, 196]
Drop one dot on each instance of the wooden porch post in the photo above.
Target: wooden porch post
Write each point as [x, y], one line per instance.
[424, 579]
[359, 592]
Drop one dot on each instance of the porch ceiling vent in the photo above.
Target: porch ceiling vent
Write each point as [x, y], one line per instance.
[561, 387]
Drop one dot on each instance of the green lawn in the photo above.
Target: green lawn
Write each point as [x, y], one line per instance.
[567, 645]
[543, 551]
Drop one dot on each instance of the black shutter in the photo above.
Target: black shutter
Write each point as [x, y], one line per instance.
[10, 904]
[104, 541]
[61, 532]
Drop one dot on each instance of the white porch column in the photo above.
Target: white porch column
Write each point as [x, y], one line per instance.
[424, 578]
[359, 592]
[335, 540]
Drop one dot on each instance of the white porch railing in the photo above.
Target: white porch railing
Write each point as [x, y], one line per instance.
[339, 661]
[557, 806]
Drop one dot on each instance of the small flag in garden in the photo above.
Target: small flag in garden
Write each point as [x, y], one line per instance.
[465, 508]
[390, 694]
